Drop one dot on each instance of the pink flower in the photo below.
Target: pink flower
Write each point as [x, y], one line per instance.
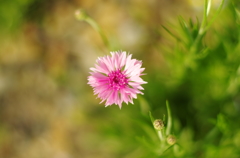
[116, 79]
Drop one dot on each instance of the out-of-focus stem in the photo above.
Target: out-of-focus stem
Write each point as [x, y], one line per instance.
[160, 135]
[82, 15]
[202, 29]
[204, 26]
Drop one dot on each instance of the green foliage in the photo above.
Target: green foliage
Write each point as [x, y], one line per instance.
[204, 82]
[11, 13]
[14, 13]
[202, 85]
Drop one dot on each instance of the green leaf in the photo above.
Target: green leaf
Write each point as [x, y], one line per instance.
[151, 147]
[151, 117]
[202, 54]
[166, 29]
[185, 29]
[215, 16]
[222, 124]
[144, 106]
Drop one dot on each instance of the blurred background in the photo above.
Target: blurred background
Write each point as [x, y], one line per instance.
[47, 110]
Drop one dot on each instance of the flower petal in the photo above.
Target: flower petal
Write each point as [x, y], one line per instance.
[116, 79]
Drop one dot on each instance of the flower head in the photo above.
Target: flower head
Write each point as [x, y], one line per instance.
[171, 139]
[116, 78]
[158, 124]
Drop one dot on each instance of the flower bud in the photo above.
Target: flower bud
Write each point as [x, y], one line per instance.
[81, 14]
[171, 139]
[158, 124]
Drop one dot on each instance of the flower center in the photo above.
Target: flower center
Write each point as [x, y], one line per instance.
[117, 80]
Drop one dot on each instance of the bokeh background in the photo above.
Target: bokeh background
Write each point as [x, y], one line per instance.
[47, 110]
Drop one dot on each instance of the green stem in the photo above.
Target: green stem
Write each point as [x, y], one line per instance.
[160, 135]
[99, 30]
[204, 26]
[81, 15]
[169, 121]
[202, 29]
